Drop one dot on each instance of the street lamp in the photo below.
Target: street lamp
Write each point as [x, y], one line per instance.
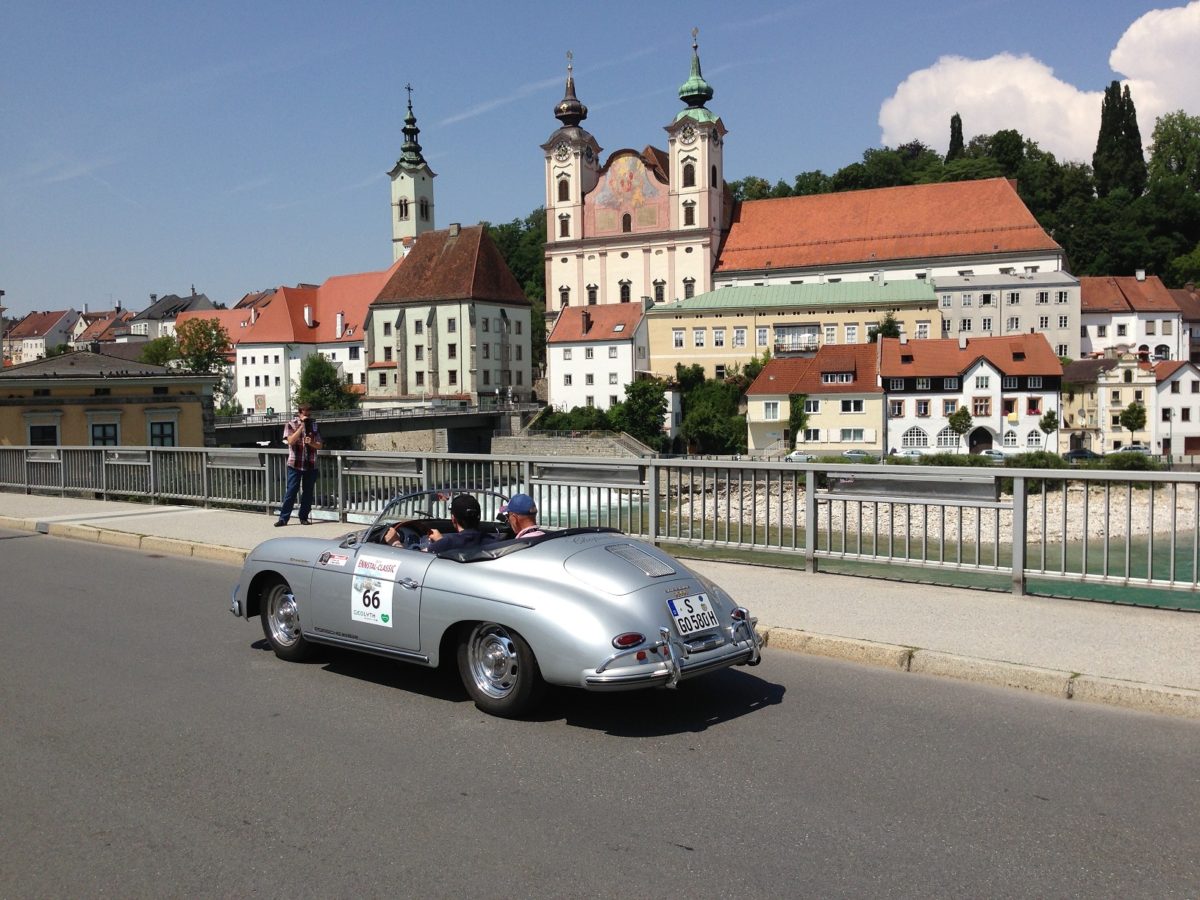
[1170, 413]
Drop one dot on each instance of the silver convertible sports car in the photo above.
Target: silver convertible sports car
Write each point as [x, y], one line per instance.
[581, 607]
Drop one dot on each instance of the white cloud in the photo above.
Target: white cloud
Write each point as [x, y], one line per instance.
[1006, 91]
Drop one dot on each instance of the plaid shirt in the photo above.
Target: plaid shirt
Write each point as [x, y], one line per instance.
[299, 456]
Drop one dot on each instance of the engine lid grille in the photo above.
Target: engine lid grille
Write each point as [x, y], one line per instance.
[652, 566]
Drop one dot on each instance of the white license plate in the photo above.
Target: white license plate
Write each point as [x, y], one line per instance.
[692, 614]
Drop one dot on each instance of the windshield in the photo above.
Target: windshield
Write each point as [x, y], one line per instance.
[436, 505]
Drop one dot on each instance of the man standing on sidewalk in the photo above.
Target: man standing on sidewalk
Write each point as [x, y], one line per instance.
[304, 440]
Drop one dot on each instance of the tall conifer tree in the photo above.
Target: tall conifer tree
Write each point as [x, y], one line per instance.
[956, 139]
[1119, 161]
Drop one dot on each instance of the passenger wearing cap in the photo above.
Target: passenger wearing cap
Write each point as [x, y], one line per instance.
[521, 515]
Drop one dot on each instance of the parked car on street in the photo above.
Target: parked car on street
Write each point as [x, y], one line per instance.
[582, 607]
[995, 456]
[909, 453]
[799, 456]
[1080, 454]
[1133, 448]
[857, 455]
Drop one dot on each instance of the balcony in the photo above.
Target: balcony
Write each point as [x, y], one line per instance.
[799, 343]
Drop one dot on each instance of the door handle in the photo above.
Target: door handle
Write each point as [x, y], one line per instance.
[408, 583]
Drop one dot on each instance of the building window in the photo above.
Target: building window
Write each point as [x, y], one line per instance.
[567, 379]
[591, 294]
[739, 337]
[1013, 323]
[589, 378]
[564, 189]
[612, 352]
[1009, 439]
[566, 353]
[247, 381]
[677, 337]
[1167, 328]
[402, 209]
[1035, 382]
[922, 331]
[719, 373]
[949, 407]
[1121, 329]
[1042, 297]
[982, 382]
[1044, 322]
[1034, 440]
[914, 437]
[626, 291]
[922, 408]
[564, 298]
[851, 334]
[487, 376]
[947, 438]
[626, 226]
[852, 435]
[812, 406]
[812, 434]
[452, 325]
[424, 209]
[660, 291]
[387, 329]
[689, 214]
[383, 379]
[986, 323]
[354, 351]
[967, 300]
[923, 384]
[387, 354]
[487, 350]
[946, 299]
[981, 406]
[1060, 297]
[564, 226]
[760, 336]
[895, 384]
[589, 352]
[1150, 326]
[162, 434]
[452, 377]
[612, 377]
[718, 337]
[964, 325]
[689, 175]
[1008, 383]
[950, 384]
[946, 324]
[590, 400]
[689, 288]
[697, 337]
[1174, 387]
[895, 408]
[104, 434]
[612, 400]
[852, 406]
[771, 410]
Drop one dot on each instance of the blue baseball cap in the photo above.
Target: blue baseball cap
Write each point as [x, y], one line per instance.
[521, 504]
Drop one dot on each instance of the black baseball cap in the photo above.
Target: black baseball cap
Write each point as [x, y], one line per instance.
[465, 510]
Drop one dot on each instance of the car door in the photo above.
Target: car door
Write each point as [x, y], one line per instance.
[370, 594]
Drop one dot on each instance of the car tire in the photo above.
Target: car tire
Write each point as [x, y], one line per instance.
[499, 670]
[281, 622]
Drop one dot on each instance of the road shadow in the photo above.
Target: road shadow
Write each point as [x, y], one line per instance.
[696, 705]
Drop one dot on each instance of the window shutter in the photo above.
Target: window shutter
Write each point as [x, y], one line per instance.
[869, 435]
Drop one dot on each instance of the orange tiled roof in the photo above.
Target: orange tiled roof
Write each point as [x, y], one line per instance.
[101, 325]
[961, 218]
[36, 324]
[800, 375]
[603, 322]
[1106, 293]
[446, 266]
[1167, 368]
[1018, 354]
[1188, 302]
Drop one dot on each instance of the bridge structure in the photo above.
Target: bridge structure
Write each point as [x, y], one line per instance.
[466, 426]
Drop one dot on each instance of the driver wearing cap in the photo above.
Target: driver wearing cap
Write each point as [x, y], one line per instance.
[464, 515]
[521, 514]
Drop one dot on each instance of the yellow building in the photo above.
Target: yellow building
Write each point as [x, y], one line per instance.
[91, 400]
[731, 326]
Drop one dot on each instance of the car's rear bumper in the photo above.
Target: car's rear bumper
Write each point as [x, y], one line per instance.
[676, 660]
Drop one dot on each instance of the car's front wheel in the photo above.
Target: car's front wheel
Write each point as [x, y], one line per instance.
[281, 622]
[499, 670]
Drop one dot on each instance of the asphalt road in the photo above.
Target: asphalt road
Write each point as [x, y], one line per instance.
[152, 747]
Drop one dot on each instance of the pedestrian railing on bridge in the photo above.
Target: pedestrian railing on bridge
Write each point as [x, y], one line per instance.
[1111, 528]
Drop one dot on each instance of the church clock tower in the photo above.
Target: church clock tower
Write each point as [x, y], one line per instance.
[572, 168]
[696, 142]
[412, 189]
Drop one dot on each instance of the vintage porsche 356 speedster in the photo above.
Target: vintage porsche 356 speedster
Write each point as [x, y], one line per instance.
[582, 607]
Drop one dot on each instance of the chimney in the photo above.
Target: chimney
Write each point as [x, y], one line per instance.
[903, 338]
[1190, 287]
[587, 322]
[1140, 274]
[341, 324]
[85, 309]
[154, 298]
[308, 319]
[253, 314]
[962, 342]
[455, 228]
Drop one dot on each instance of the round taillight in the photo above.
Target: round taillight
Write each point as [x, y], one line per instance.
[627, 640]
[641, 656]
[739, 614]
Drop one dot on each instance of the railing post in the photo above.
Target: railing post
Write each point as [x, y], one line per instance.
[205, 485]
[810, 520]
[104, 474]
[652, 502]
[153, 477]
[341, 488]
[1018, 535]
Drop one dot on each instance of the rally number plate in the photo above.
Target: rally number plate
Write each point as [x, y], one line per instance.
[692, 614]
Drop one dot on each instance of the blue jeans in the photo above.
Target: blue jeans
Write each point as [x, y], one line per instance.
[298, 482]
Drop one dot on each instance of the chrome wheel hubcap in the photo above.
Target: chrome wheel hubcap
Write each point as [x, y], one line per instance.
[284, 617]
[493, 661]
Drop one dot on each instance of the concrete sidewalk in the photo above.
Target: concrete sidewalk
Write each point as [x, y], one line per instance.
[1126, 656]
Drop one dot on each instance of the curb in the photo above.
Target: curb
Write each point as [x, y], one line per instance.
[1154, 698]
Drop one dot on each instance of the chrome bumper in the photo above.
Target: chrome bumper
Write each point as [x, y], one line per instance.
[743, 648]
[235, 605]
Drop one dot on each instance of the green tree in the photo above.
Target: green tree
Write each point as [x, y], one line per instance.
[160, 351]
[814, 182]
[1185, 268]
[204, 346]
[1007, 148]
[522, 243]
[688, 378]
[1133, 418]
[1119, 161]
[1176, 149]
[1048, 424]
[641, 414]
[750, 188]
[321, 387]
[960, 421]
[711, 423]
[956, 150]
[57, 350]
[888, 328]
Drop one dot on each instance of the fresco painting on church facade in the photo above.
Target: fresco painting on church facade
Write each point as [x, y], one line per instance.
[627, 187]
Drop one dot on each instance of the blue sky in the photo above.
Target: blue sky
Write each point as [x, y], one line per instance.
[150, 146]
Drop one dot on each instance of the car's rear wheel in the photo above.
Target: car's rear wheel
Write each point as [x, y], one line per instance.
[499, 670]
[281, 622]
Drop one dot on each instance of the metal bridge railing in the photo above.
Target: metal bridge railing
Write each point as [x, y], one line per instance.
[1112, 528]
